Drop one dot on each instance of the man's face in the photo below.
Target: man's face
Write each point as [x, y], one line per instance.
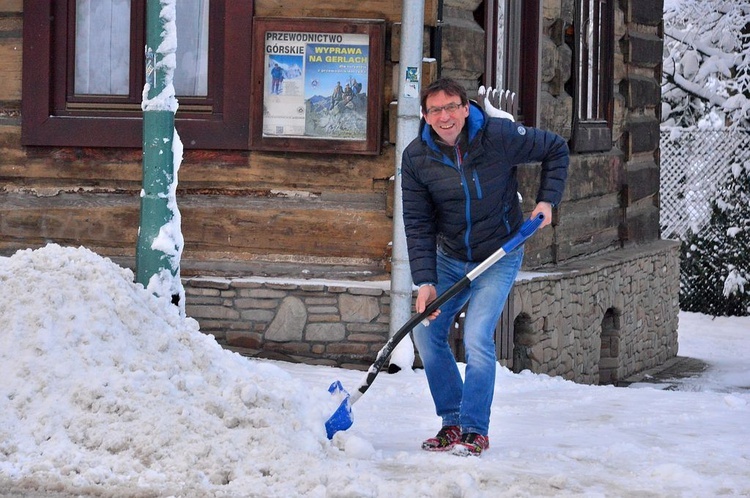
[447, 125]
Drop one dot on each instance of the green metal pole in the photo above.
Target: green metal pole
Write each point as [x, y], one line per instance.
[158, 162]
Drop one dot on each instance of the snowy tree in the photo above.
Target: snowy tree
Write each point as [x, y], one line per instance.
[706, 86]
[715, 274]
[706, 72]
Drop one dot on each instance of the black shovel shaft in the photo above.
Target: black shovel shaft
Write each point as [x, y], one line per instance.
[387, 349]
[526, 231]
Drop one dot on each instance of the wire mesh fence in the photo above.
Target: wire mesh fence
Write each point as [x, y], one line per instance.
[705, 204]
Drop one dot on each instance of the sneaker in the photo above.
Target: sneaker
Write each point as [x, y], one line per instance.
[445, 439]
[471, 444]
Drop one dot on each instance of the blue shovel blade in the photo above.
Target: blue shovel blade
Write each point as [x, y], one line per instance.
[341, 419]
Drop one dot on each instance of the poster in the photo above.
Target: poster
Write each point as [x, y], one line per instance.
[316, 85]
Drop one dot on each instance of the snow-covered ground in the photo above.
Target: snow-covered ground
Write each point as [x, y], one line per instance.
[107, 391]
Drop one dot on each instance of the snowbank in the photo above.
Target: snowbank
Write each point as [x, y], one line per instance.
[106, 385]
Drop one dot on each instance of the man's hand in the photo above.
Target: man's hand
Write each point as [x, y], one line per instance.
[546, 209]
[425, 296]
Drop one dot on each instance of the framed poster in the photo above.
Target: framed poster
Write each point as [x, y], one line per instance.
[317, 85]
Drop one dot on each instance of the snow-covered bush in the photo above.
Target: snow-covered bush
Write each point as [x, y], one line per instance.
[715, 263]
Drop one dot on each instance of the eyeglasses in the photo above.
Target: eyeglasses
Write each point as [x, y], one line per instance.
[451, 108]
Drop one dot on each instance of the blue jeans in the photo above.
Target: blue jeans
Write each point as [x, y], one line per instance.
[466, 403]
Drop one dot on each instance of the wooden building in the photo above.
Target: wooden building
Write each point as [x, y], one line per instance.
[287, 229]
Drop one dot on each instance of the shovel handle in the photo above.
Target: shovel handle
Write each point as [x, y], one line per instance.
[527, 230]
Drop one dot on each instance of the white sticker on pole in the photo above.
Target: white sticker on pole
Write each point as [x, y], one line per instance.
[411, 83]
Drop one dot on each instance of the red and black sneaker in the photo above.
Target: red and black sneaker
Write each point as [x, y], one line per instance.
[471, 444]
[444, 440]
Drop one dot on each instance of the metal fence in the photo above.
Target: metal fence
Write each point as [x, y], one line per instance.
[699, 170]
[694, 163]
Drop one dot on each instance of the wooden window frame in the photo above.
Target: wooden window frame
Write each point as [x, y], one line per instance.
[529, 77]
[53, 116]
[592, 120]
[520, 42]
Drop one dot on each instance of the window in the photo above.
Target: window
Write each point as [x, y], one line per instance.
[591, 39]
[512, 32]
[102, 49]
[83, 73]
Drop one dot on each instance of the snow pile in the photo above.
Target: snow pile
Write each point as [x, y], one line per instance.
[105, 385]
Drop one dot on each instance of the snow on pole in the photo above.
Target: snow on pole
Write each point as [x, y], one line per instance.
[160, 241]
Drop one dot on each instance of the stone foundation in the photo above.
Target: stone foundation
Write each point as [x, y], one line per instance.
[338, 323]
[596, 321]
[604, 318]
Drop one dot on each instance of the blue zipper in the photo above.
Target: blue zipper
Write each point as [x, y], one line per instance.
[467, 195]
[476, 183]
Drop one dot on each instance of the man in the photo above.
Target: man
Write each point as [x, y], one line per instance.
[277, 77]
[337, 95]
[460, 205]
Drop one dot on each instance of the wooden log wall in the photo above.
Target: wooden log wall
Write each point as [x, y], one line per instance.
[235, 205]
[250, 205]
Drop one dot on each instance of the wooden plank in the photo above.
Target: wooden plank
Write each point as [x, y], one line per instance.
[314, 232]
[591, 175]
[343, 172]
[11, 6]
[392, 121]
[390, 10]
[10, 138]
[429, 74]
[11, 26]
[603, 240]
[431, 12]
[642, 222]
[588, 226]
[110, 168]
[395, 42]
[108, 229]
[586, 215]
[10, 68]
[642, 181]
[539, 250]
[378, 9]
[213, 226]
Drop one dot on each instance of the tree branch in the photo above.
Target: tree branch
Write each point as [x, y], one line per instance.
[695, 90]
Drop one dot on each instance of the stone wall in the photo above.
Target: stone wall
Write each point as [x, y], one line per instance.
[595, 321]
[341, 323]
[603, 318]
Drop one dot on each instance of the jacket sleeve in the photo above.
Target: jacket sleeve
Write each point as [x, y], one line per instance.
[525, 145]
[419, 224]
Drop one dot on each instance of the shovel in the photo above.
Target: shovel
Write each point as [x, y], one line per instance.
[341, 419]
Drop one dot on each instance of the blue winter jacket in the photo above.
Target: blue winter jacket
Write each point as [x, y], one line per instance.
[471, 208]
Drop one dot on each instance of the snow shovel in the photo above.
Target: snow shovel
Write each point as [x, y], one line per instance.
[341, 419]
